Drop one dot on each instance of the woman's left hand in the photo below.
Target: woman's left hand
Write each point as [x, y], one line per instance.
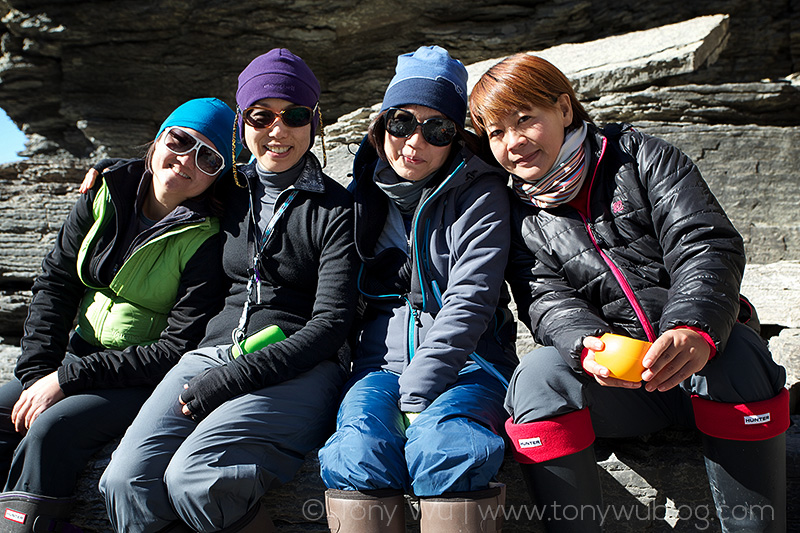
[673, 357]
[35, 400]
[205, 392]
[184, 409]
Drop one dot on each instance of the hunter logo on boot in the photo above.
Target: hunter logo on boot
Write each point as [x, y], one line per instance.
[756, 419]
[530, 443]
[15, 516]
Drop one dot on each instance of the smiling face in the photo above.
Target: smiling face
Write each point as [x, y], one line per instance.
[176, 178]
[526, 142]
[279, 147]
[413, 158]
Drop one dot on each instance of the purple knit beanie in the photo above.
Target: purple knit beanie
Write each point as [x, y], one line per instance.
[278, 74]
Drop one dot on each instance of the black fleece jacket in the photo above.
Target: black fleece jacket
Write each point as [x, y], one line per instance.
[307, 273]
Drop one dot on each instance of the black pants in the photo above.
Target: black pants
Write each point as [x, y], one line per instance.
[54, 452]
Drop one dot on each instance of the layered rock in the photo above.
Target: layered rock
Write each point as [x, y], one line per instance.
[98, 76]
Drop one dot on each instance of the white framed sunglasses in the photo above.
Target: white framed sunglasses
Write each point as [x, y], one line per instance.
[206, 158]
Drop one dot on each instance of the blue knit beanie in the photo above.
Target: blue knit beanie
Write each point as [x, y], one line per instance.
[429, 77]
[213, 118]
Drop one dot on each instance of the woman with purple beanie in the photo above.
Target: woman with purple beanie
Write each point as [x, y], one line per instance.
[231, 420]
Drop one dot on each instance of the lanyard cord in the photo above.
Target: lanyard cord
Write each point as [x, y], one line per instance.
[254, 282]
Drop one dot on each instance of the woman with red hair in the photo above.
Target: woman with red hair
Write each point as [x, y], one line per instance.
[615, 231]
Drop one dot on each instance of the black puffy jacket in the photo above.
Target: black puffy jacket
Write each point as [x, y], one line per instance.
[652, 250]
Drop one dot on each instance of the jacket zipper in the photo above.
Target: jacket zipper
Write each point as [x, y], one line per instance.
[413, 318]
[176, 227]
[618, 274]
[437, 293]
[417, 253]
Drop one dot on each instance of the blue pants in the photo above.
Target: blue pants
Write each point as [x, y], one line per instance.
[543, 386]
[210, 474]
[454, 445]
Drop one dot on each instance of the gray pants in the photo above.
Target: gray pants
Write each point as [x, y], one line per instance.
[209, 474]
[543, 386]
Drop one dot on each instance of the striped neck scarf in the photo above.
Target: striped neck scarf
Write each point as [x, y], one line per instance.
[564, 180]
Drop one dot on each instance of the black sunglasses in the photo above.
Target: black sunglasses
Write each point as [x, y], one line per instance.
[295, 116]
[438, 131]
[206, 158]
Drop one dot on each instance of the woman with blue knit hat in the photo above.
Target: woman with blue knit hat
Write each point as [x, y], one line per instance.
[423, 413]
[138, 261]
[236, 417]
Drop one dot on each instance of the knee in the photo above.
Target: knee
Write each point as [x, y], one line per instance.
[184, 481]
[50, 430]
[456, 440]
[743, 372]
[189, 492]
[542, 386]
[456, 455]
[543, 367]
[117, 477]
[208, 497]
[357, 458]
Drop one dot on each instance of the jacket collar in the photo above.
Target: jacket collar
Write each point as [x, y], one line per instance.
[372, 205]
[310, 179]
[595, 137]
[471, 166]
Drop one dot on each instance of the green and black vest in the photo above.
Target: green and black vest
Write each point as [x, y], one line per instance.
[133, 309]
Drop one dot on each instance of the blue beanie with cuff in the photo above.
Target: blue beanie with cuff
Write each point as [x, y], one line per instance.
[431, 78]
[213, 118]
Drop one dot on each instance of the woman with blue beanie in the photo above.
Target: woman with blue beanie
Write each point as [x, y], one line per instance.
[138, 261]
[236, 417]
[423, 413]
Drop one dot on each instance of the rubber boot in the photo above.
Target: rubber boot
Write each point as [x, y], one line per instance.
[22, 512]
[748, 482]
[375, 511]
[478, 511]
[572, 480]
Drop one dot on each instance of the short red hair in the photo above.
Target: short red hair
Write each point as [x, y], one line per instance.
[521, 81]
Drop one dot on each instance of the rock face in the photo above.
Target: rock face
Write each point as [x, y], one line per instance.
[86, 75]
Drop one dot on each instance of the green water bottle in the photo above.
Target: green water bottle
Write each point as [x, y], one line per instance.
[258, 340]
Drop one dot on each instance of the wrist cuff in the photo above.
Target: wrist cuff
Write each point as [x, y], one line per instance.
[706, 336]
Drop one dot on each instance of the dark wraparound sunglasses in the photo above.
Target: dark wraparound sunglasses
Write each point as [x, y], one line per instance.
[438, 131]
[206, 158]
[295, 116]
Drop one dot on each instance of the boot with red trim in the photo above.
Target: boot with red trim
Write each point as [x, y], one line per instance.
[745, 455]
[558, 465]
